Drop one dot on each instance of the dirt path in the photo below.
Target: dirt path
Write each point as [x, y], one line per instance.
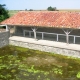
[44, 61]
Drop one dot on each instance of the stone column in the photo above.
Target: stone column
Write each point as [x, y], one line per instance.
[34, 30]
[67, 32]
[14, 29]
[7, 29]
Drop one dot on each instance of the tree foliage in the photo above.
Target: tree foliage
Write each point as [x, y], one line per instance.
[51, 8]
[25, 9]
[3, 12]
[31, 10]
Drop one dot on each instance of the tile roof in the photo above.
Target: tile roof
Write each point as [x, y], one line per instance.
[45, 19]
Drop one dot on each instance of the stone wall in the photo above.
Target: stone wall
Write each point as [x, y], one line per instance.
[52, 49]
[4, 38]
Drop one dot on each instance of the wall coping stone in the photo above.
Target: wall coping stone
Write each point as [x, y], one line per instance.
[61, 45]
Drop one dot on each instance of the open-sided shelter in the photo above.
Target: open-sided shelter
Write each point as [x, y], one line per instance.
[48, 25]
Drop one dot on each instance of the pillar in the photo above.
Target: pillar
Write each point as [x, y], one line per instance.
[7, 29]
[14, 29]
[34, 30]
[67, 32]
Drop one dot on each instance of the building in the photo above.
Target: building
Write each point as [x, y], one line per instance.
[46, 25]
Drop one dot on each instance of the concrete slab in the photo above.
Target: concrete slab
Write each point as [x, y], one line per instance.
[47, 43]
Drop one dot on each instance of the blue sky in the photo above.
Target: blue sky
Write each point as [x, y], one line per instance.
[40, 4]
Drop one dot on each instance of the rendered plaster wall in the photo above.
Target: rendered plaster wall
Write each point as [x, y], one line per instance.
[20, 29]
[4, 38]
[61, 38]
[50, 30]
[52, 49]
[19, 32]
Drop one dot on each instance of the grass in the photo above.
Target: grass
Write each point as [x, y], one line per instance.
[70, 10]
[17, 63]
[13, 12]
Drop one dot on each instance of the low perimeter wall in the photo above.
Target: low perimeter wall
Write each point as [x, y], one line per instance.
[52, 49]
[4, 38]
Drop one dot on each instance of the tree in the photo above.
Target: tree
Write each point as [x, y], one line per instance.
[3, 12]
[25, 9]
[51, 8]
[31, 10]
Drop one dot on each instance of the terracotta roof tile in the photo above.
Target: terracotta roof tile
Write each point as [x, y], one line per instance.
[45, 19]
